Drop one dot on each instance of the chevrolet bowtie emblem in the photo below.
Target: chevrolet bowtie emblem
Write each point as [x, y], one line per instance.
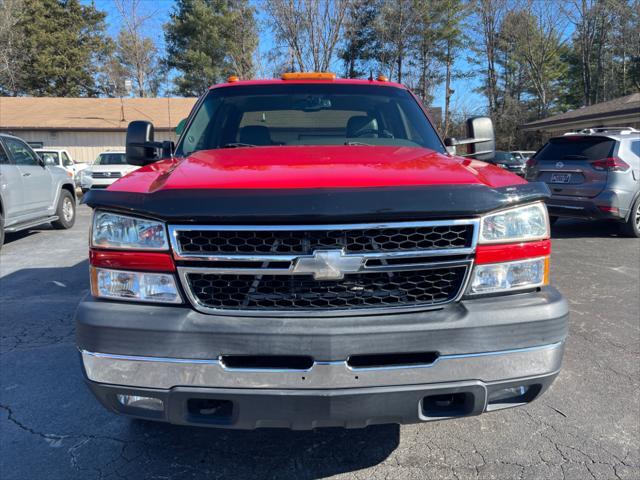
[328, 264]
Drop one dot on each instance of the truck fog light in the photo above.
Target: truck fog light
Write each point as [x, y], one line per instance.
[134, 286]
[134, 401]
[508, 276]
[507, 393]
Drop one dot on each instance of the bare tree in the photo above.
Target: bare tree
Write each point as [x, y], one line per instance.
[309, 30]
[490, 14]
[540, 40]
[10, 38]
[137, 53]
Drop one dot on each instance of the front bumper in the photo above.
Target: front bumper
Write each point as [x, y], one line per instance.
[174, 354]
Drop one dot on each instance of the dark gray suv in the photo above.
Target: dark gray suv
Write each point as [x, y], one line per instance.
[592, 174]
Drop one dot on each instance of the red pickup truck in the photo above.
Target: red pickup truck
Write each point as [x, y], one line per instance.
[310, 254]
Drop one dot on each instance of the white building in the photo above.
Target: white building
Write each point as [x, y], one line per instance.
[88, 126]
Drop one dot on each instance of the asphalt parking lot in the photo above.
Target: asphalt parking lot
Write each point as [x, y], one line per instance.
[586, 426]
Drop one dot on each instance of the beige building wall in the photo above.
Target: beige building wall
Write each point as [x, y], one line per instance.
[83, 146]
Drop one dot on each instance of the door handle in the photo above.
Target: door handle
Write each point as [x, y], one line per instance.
[26, 174]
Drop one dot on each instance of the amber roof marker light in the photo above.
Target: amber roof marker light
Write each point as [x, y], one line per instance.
[233, 79]
[383, 78]
[308, 76]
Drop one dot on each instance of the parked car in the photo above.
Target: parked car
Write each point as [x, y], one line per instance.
[509, 161]
[309, 255]
[594, 175]
[107, 168]
[32, 193]
[57, 157]
[523, 155]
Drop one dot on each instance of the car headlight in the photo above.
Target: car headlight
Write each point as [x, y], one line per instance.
[134, 286]
[519, 224]
[115, 231]
[509, 276]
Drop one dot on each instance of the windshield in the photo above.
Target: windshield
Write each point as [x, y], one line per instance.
[505, 157]
[111, 159]
[308, 114]
[49, 158]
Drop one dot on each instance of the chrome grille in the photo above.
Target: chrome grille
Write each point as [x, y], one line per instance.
[106, 174]
[323, 269]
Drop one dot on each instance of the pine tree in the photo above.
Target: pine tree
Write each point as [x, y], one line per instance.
[63, 43]
[208, 40]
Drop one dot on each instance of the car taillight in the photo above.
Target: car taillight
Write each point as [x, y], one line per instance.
[532, 162]
[611, 164]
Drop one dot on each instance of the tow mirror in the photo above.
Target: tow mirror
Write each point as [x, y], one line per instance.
[480, 141]
[180, 127]
[480, 130]
[141, 148]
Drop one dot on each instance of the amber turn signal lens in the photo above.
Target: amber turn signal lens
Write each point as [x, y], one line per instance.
[308, 76]
[545, 280]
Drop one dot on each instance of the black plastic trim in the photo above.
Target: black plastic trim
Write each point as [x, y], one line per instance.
[330, 205]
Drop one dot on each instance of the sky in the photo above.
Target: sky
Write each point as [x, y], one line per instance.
[464, 98]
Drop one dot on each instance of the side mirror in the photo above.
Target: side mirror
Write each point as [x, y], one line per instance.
[483, 142]
[450, 143]
[140, 146]
[180, 127]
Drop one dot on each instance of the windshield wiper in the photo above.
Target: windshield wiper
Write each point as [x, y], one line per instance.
[361, 144]
[237, 145]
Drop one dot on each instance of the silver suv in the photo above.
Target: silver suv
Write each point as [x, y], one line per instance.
[592, 174]
[32, 193]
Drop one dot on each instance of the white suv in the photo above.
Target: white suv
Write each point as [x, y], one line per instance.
[108, 167]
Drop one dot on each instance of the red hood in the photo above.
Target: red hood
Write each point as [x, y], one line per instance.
[313, 167]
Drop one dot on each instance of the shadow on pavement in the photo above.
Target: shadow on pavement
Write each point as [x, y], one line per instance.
[573, 228]
[45, 400]
[270, 453]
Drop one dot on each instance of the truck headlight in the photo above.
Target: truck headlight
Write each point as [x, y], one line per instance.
[509, 276]
[519, 224]
[115, 231]
[134, 286]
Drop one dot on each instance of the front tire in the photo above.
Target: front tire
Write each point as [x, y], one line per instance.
[632, 226]
[66, 211]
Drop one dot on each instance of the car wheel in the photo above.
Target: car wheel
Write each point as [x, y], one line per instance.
[632, 226]
[552, 220]
[66, 211]
[1, 231]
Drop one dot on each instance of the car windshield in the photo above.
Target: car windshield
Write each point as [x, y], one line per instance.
[308, 114]
[49, 158]
[111, 159]
[505, 157]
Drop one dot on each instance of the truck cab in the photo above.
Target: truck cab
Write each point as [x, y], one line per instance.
[309, 255]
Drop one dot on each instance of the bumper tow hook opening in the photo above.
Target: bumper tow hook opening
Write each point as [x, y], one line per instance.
[448, 405]
[210, 409]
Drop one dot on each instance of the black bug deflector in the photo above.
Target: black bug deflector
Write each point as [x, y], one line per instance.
[277, 206]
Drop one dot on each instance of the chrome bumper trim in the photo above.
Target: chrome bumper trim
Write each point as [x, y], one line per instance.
[156, 372]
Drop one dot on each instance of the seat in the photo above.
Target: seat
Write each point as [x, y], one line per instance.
[362, 126]
[255, 135]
